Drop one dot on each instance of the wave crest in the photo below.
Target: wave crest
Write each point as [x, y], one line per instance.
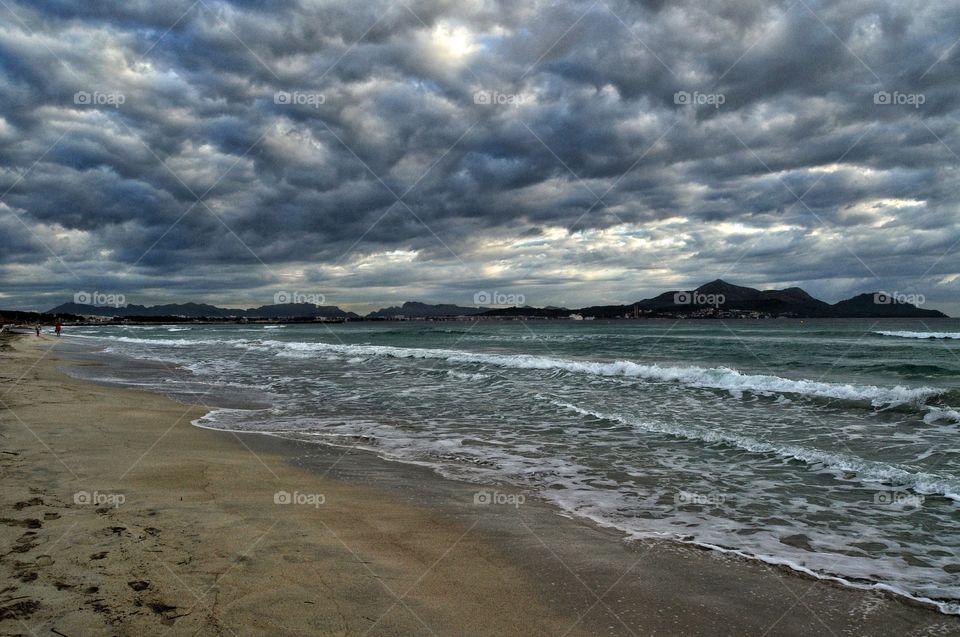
[722, 378]
[925, 335]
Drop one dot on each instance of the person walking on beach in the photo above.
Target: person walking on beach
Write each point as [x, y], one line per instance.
[38, 329]
[58, 328]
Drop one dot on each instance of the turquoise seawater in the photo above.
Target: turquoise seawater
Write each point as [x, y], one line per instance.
[828, 445]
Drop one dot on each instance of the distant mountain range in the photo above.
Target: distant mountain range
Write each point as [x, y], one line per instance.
[202, 310]
[717, 299]
[720, 297]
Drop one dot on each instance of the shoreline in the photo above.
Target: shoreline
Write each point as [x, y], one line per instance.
[314, 461]
[126, 519]
[615, 533]
[514, 568]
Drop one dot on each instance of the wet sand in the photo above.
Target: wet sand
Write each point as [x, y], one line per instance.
[121, 518]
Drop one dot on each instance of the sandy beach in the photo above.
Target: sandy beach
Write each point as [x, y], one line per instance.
[119, 517]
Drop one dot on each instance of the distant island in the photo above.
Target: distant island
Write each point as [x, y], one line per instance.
[717, 299]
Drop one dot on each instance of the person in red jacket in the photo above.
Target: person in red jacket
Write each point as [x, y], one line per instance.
[58, 328]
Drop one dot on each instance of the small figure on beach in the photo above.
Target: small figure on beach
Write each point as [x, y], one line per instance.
[38, 329]
[58, 328]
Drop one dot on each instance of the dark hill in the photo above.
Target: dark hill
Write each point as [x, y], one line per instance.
[415, 309]
[880, 305]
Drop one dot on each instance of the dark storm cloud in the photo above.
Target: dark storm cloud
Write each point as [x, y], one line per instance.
[377, 152]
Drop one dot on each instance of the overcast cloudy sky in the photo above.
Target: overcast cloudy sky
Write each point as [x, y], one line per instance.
[572, 152]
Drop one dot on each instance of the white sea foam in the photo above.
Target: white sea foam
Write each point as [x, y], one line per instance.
[168, 342]
[212, 418]
[866, 470]
[581, 507]
[947, 608]
[708, 377]
[936, 414]
[463, 376]
[908, 334]
[173, 342]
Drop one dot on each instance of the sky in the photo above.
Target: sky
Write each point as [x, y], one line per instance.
[362, 154]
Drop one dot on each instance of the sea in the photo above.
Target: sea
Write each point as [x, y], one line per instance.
[831, 447]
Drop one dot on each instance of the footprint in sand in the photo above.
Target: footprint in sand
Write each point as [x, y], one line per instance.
[28, 503]
[99, 556]
[20, 610]
[24, 544]
[30, 523]
[29, 537]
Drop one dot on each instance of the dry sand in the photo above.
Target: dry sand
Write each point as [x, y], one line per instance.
[121, 518]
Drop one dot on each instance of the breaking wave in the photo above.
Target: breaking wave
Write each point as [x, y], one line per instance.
[722, 378]
[866, 470]
[908, 334]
